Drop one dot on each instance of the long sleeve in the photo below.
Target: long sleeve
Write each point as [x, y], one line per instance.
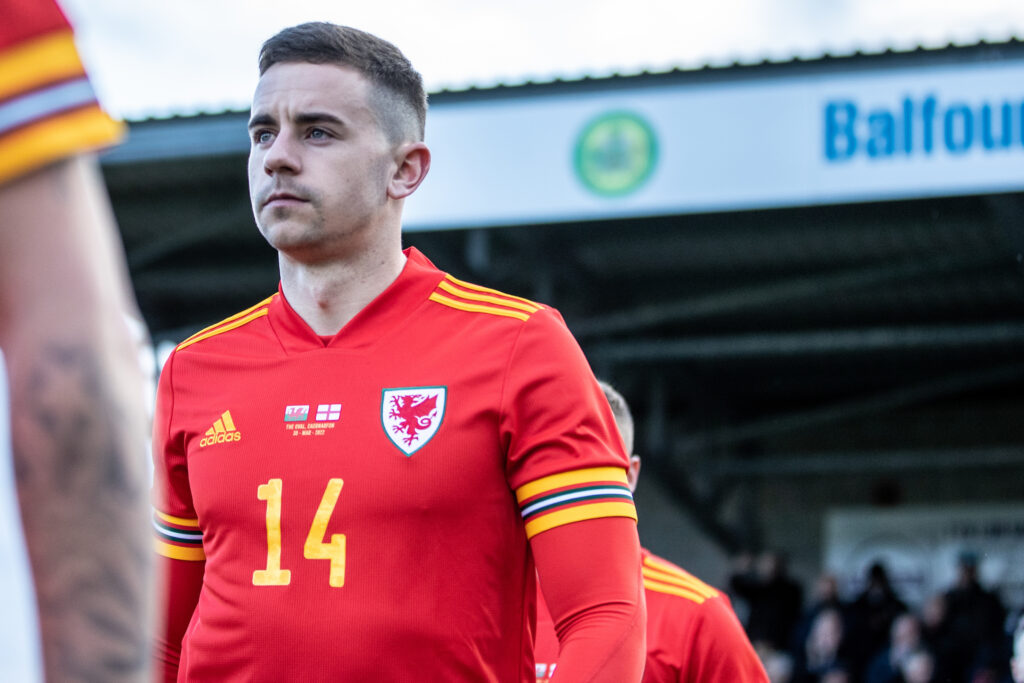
[590, 574]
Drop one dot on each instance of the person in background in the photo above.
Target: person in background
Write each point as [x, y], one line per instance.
[822, 656]
[773, 597]
[905, 640]
[355, 479]
[78, 420]
[975, 618]
[693, 635]
[871, 615]
[1017, 659]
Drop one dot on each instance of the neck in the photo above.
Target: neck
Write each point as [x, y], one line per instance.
[328, 295]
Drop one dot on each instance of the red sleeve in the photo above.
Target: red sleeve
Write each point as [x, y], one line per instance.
[25, 19]
[590, 574]
[178, 586]
[722, 651]
[554, 416]
[51, 109]
[178, 536]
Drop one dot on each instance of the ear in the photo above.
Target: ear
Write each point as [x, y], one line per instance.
[413, 163]
[633, 471]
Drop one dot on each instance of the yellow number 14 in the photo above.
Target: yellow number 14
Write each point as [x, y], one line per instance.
[314, 548]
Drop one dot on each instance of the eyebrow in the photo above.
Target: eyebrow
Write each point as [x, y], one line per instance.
[305, 118]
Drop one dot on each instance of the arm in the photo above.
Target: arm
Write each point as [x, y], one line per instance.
[178, 539]
[590, 574]
[179, 583]
[78, 424]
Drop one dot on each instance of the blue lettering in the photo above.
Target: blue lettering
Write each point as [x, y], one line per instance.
[962, 143]
[882, 127]
[908, 125]
[840, 140]
[928, 121]
[921, 126]
[988, 136]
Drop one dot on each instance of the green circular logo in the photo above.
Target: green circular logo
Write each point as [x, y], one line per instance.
[616, 153]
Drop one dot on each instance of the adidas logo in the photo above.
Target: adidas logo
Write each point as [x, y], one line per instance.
[222, 431]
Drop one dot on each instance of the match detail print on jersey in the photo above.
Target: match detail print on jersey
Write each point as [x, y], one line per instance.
[412, 416]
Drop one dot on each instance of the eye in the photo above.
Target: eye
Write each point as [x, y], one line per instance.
[318, 134]
[262, 136]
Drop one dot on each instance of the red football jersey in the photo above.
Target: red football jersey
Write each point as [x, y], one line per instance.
[693, 635]
[50, 110]
[363, 503]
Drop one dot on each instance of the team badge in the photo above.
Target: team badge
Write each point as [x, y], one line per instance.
[412, 416]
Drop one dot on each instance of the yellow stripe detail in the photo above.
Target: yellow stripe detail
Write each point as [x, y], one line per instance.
[46, 59]
[218, 330]
[228, 422]
[230, 318]
[176, 552]
[470, 285]
[673, 590]
[688, 582]
[557, 481]
[529, 308]
[180, 521]
[49, 139]
[579, 514]
[477, 308]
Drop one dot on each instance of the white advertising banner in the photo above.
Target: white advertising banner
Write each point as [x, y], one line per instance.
[758, 142]
[919, 547]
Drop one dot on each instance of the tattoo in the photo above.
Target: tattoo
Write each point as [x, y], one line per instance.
[80, 470]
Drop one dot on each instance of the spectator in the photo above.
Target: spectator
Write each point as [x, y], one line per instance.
[975, 618]
[918, 667]
[826, 596]
[905, 642]
[1017, 662]
[871, 617]
[773, 598]
[822, 658]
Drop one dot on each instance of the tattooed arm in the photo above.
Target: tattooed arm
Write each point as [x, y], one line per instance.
[78, 421]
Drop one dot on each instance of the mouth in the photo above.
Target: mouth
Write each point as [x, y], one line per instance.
[283, 199]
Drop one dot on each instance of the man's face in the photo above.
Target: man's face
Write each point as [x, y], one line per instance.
[319, 162]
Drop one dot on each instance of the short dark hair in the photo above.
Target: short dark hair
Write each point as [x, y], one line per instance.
[397, 95]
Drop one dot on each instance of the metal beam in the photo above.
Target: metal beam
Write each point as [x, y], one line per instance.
[824, 342]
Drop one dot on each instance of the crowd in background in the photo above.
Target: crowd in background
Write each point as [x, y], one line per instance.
[962, 634]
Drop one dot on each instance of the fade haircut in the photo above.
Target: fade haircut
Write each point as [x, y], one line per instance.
[397, 96]
[621, 413]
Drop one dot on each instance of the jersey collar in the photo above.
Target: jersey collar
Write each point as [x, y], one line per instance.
[391, 308]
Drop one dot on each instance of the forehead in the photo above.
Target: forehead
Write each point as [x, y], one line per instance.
[295, 87]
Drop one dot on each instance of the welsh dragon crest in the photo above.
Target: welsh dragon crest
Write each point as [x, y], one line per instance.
[412, 416]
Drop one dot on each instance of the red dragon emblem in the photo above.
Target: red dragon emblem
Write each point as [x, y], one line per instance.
[412, 416]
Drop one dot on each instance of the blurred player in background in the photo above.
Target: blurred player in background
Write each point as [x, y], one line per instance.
[77, 401]
[693, 635]
[355, 478]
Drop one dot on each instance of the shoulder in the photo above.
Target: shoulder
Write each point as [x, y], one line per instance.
[228, 329]
[670, 583]
[483, 302]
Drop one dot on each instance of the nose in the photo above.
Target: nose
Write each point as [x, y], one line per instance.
[282, 156]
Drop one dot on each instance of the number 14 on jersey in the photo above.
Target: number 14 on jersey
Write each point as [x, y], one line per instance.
[314, 548]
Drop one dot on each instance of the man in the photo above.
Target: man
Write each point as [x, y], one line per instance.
[78, 424]
[693, 635]
[356, 477]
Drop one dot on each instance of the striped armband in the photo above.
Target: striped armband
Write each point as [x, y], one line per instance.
[178, 538]
[575, 496]
[48, 109]
[664, 578]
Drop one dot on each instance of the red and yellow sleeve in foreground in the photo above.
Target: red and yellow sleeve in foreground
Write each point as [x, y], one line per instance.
[48, 109]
